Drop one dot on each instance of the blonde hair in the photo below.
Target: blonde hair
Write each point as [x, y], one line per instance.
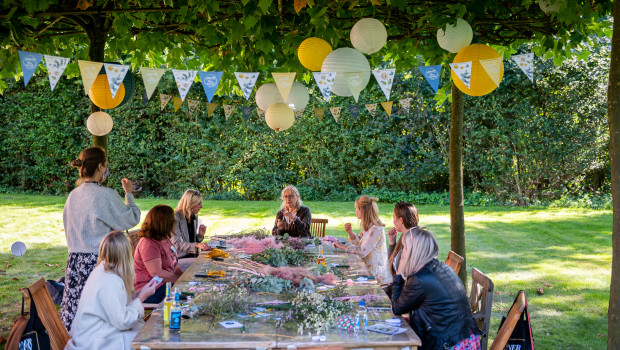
[293, 190]
[189, 199]
[370, 211]
[419, 247]
[115, 254]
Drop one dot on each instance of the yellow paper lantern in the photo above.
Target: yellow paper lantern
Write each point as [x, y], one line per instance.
[279, 116]
[480, 83]
[101, 96]
[368, 35]
[312, 52]
[346, 60]
[455, 38]
[99, 123]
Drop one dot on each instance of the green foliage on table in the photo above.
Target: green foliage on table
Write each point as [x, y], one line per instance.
[219, 302]
[269, 284]
[285, 256]
[314, 312]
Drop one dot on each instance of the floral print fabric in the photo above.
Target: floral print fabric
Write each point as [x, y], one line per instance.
[79, 267]
[471, 343]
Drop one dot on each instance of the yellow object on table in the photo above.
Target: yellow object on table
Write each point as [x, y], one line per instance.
[217, 253]
[220, 273]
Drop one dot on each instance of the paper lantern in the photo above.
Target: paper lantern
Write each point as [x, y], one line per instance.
[266, 95]
[345, 60]
[279, 116]
[550, 6]
[455, 38]
[312, 52]
[299, 97]
[480, 83]
[368, 35]
[101, 96]
[130, 87]
[99, 123]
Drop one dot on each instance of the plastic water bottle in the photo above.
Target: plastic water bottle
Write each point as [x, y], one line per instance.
[361, 318]
[175, 315]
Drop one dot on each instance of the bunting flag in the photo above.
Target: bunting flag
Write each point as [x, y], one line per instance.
[184, 79]
[151, 77]
[432, 74]
[387, 106]
[145, 98]
[299, 114]
[354, 81]
[325, 82]
[372, 107]
[335, 112]
[284, 82]
[246, 112]
[405, 104]
[211, 108]
[228, 109]
[493, 67]
[177, 103]
[55, 67]
[385, 79]
[463, 71]
[526, 63]
[319, 112]
[164, 99]
[115, 73]
[260, 112]
[191, 106]
[30, 62]
[89, 71]
[354, 110]
[246, 81]
[210, 82]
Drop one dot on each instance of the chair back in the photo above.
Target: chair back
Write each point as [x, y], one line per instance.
[133, 239]
[481, 301]
[47, 313]
[454, 261]
[509, 324]
[317, 227]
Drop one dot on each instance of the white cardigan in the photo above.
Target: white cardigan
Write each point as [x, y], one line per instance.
[104, 319]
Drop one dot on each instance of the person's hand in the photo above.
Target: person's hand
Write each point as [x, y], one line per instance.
[201, 230]
[147, 290]
[339, 245]
[290, 215]
[392, 235]
[127, 185]
[203, 246]
[347, 228]
[279, 224]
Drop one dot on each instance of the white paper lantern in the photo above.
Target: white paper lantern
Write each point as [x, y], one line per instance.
[455, 38]
[18, 248]
[269, 94]
[346, 60]
[299, 97]
[368, 35]
[266, 96]
[550, 6]
[99, 123]
[279, 116]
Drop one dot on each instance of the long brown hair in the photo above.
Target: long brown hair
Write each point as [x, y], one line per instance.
[158, 223]
[115, 255]
[370, 211]
[88, 161]
[409, 213]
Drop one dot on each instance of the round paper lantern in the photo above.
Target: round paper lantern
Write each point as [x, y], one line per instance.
[279, 116]
[298, 97]
[18, 248]
[312, 52]
[101, 96]
[266, 95]
[550, 6]
[480, 82]
[368, 35]
[99, 123]
[455, 38]
[346, 60]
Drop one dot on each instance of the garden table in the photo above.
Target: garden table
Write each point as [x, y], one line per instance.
[205, 333]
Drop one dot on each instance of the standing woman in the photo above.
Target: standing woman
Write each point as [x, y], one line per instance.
[370, 243]
[292, 218]
[91, 211]
[188, 232]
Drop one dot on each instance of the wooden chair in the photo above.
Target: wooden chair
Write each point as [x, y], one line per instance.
[454, 261]
[47, 313]
[133, 239]
[511, 321]
[317, 227]
[480, 301]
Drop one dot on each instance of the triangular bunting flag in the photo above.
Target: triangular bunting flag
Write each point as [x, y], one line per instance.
[385, 79]
[115, 73]
[151, 77]
[319, 112]
[260, 112]
[354, 110]
[246, 81]
[191, 106]
[210, 82]
[354, 81]
[177, 103]
[89, 71]
[526, 63]
[405, 104]
[432, 74]
[164, 99]
[145, 98]
[387, 106]
[494, 68]
[184, 79]
[335, 112]
[246, 112]
[211, 108]
[228, 109]
[55, 67]
[284, 82]
[325, 82]
[30, 62]
[372, 107]
[463, 71]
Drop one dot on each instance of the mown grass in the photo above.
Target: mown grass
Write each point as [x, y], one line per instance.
[518, 248]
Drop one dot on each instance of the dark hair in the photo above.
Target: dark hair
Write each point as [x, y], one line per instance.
[408, 212]
[159, 223]
[89, 160]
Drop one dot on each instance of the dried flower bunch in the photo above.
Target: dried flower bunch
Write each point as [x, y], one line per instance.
[316, 313]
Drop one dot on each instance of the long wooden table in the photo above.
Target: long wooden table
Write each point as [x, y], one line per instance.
[206, 333]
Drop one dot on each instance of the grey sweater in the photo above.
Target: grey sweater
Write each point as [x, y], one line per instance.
[91, 211]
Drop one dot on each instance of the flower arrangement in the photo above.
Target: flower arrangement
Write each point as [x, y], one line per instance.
[315, 313]
[218, 302]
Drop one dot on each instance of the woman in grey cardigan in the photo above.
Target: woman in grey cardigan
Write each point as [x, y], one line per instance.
[188, 232]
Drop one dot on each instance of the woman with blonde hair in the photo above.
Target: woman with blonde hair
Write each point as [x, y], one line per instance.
[189, 232]
[370, 243]
[433, 295]
[292, 218]
[109, 315]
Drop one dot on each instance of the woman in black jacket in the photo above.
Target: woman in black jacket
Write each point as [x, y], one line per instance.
[433, 295]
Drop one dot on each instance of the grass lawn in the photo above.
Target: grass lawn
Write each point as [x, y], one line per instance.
[518, 248]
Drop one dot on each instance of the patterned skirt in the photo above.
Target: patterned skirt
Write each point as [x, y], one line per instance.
[79, 267]
[471, 343]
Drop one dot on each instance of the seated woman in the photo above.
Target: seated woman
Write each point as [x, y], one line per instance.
[405, 218]
[292, 218]
[108, 315]
[433, 295]
[370, 243]
[188, 232]
[155, 255]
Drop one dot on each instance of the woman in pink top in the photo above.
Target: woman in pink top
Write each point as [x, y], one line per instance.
[155, 255]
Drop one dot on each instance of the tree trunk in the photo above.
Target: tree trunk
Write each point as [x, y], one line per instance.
[97, 33]
[457, 212]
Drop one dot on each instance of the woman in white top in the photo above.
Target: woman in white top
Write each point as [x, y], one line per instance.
[370, 243]
[108, 315]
